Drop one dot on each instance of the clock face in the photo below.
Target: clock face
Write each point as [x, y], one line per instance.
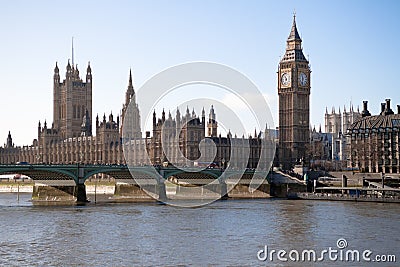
[303, 79]
[285, 79]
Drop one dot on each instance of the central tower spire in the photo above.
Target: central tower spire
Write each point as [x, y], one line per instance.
[130, 78]
[130, 92]
[132, 121]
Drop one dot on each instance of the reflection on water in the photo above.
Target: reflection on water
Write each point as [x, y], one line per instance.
[224, 233]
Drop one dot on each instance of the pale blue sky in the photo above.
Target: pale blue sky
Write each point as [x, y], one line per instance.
[353, 49]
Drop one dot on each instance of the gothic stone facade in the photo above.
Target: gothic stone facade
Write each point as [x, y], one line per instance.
[69, 140]
[178, 140]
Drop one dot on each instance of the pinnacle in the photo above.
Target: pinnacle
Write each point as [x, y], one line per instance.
[294, 34]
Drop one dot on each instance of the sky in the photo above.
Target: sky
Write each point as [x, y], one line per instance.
[352, 48]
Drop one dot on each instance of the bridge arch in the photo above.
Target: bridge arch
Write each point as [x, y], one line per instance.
[209, 173]
[122, 172]
[41, 173]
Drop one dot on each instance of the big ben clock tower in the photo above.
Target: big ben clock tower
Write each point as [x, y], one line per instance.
[294, 101]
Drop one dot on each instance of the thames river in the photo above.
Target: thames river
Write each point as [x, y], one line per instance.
[225, 233]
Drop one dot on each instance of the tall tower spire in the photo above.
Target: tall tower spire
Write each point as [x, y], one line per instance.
[130, 77]
[72, 51]
[130, 92]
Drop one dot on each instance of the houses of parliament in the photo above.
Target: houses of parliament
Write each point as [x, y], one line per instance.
[70, 140]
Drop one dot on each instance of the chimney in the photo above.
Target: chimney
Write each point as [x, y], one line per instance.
[387, 103]
[383, 106]
[365, 111]
[398, 109]
[388, 110]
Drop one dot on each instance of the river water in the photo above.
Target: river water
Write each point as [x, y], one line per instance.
[225, 233]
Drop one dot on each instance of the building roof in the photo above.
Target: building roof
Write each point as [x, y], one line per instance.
[295, 53]
[376, 122]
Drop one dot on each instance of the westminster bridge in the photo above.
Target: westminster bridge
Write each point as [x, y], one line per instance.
[67, 182]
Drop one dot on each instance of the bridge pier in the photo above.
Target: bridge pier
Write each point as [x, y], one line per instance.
[162, 192]
[80, 188]
[224, 189]
[61, 191]
[242, 190]
[127, 190]
[58, 191]
[80, 193]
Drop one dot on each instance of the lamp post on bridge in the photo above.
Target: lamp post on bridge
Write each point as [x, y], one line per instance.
[222, 182]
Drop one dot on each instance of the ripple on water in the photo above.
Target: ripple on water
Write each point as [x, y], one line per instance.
[225, 233]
